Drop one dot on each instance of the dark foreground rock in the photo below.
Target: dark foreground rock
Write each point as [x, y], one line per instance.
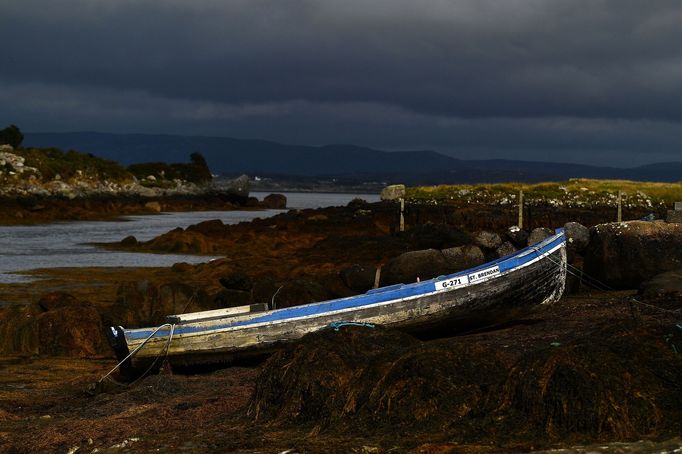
[373, 377]
[664, 285]
[609, 384]
[623, 255]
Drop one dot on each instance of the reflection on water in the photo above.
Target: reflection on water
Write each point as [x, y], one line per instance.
[65, 244]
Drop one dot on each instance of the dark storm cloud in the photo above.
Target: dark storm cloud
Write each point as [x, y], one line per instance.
[456, 75]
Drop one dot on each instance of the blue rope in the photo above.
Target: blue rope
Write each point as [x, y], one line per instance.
[338, 325]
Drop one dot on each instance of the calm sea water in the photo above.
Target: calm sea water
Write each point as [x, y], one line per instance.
[65, 244]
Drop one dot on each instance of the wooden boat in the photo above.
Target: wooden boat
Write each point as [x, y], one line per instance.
[492, 293]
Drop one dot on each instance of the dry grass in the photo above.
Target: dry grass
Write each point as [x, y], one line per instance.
[574, 192]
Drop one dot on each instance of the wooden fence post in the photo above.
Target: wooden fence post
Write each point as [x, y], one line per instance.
[520, 209]
[402, 214]
[620, 206]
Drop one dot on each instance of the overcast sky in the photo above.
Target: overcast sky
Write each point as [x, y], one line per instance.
[596, 82]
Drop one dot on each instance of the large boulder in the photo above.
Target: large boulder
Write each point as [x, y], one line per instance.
[539, 234]
[437, 236]
[517, 236]
[577, 236]
[624, 254]
[275, 202]
[393, 192]
[505, 249]
[409, 266]
[463, 257]
[487, 240]
[359, 278]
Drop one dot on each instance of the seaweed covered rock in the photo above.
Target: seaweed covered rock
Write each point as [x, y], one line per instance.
[609, 387]
[147, 303]
[429, 387]
[57, 325]
[624, 254]
[311, 380]
[377, 379]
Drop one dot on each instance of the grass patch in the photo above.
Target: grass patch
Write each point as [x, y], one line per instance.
[572, 193]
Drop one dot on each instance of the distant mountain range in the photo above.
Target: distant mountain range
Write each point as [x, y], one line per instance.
[228, 156]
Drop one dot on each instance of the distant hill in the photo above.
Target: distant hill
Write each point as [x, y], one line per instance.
[228, 156]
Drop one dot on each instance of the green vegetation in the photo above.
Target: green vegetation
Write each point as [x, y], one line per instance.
[52, 162]
[575, 192]
[196, 171]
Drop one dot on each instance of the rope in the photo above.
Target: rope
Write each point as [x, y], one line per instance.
[272, 301]
[340, 324]
[139, 347]
[164, 353]
[599, 285]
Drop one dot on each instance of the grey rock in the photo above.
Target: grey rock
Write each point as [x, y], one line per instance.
[577, 236]
[505, 249]
[674, 217]
[517, 236]
[539, 234]
[409, 266]
[359, 278]
[463, 257]
[393, 192]
[487, 240]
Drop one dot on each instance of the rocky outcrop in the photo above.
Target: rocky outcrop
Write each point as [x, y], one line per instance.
[146, 303]
[624, 254]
